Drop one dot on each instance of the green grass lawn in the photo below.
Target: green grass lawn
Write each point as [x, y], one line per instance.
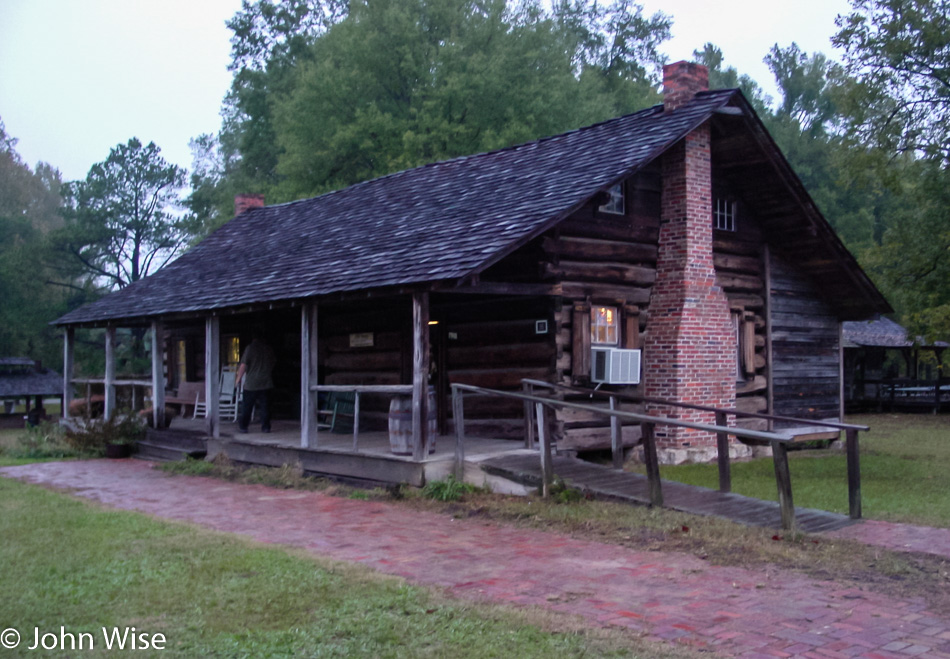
[70, 563]
[905, 472]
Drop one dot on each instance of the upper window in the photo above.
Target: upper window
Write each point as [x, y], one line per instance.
[604, 326]
[615, 203]
[724, 214]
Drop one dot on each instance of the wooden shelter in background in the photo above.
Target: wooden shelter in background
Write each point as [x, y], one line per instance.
[513, 264]
[23, 379]
[886, 368]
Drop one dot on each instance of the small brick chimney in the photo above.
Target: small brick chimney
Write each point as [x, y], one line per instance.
[690, 346]
[681, 82]
[245, 202]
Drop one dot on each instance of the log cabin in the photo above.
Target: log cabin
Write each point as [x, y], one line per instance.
[677, 240]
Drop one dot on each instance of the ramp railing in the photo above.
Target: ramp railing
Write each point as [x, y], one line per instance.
[722, 441]
[778, 441]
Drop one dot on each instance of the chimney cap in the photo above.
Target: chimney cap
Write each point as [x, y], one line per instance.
[681, 82]
[247, 201]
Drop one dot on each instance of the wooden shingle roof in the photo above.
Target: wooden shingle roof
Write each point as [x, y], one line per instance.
[21, 377]
[436, 223]
[882, 333]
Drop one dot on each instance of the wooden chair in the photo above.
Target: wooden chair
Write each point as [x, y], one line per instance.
[228, 399]
[339, 405]
[187, 394]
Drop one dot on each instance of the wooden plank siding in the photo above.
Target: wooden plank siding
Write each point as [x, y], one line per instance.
[805, 346]
[740, 270]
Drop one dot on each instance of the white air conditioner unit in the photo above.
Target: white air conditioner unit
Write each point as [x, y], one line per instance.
[615, 366]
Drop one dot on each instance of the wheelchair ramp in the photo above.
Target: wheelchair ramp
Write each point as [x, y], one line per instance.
[606, 483]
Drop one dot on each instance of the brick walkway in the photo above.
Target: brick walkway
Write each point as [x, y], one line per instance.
[738, 612]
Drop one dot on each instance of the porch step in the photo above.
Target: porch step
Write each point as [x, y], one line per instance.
[165, 446]
[162, 453]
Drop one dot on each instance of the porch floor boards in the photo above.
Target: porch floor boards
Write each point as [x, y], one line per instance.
[605, 482]
[286, 434]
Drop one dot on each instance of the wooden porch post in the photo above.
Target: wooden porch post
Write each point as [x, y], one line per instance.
[69, 346]
[110, 373]
[212, 373]
[769, 363]
[158, 377]
[420, 374]
[841, 388]
[308, 375]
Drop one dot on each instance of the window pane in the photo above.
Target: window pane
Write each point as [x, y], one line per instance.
[615, 204]
[604, 326]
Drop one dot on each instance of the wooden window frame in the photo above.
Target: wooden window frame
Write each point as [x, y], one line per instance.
[617, 195]
[610, 325]
[725, 212]
[628, 330]
[744, 326]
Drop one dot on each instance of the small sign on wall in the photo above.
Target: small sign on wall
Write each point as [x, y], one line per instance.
[363, 340]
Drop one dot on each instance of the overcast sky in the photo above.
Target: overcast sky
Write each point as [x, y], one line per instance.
[78, 77]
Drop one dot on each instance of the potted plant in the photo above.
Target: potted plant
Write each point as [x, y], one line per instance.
[119, 447]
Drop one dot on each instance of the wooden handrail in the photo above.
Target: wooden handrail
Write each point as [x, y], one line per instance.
[760, 435]
[705, 408]
[364, 388]
[690, 406]
[779, 448]
[118, 382]
[778, 441]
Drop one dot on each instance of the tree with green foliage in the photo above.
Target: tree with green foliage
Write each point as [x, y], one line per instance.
[345, 92]
[123, 221]
[721, 77]
[809, 125]
[898, 52]
[30, 207]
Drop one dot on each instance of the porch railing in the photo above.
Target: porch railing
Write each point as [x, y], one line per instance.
[778, 441]
[89, 382]
[356, 390]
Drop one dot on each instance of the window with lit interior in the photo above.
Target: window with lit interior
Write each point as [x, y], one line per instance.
[232, 351]
[604, 326]
[724, 214]
[615, 201]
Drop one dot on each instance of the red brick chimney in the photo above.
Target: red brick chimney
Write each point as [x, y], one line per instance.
[245, 202]
[690, 346]
[681, 82]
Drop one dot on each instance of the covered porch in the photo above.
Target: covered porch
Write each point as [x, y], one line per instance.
[392, 357]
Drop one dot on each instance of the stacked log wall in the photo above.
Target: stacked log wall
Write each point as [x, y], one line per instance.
[382, 363]
[494, 344]
[610, 260]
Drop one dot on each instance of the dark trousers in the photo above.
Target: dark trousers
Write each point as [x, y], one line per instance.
[252, 398]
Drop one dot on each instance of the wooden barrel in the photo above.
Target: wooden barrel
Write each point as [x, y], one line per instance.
[400, 424]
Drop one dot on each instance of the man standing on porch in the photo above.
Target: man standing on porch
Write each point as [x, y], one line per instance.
[258, 364]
